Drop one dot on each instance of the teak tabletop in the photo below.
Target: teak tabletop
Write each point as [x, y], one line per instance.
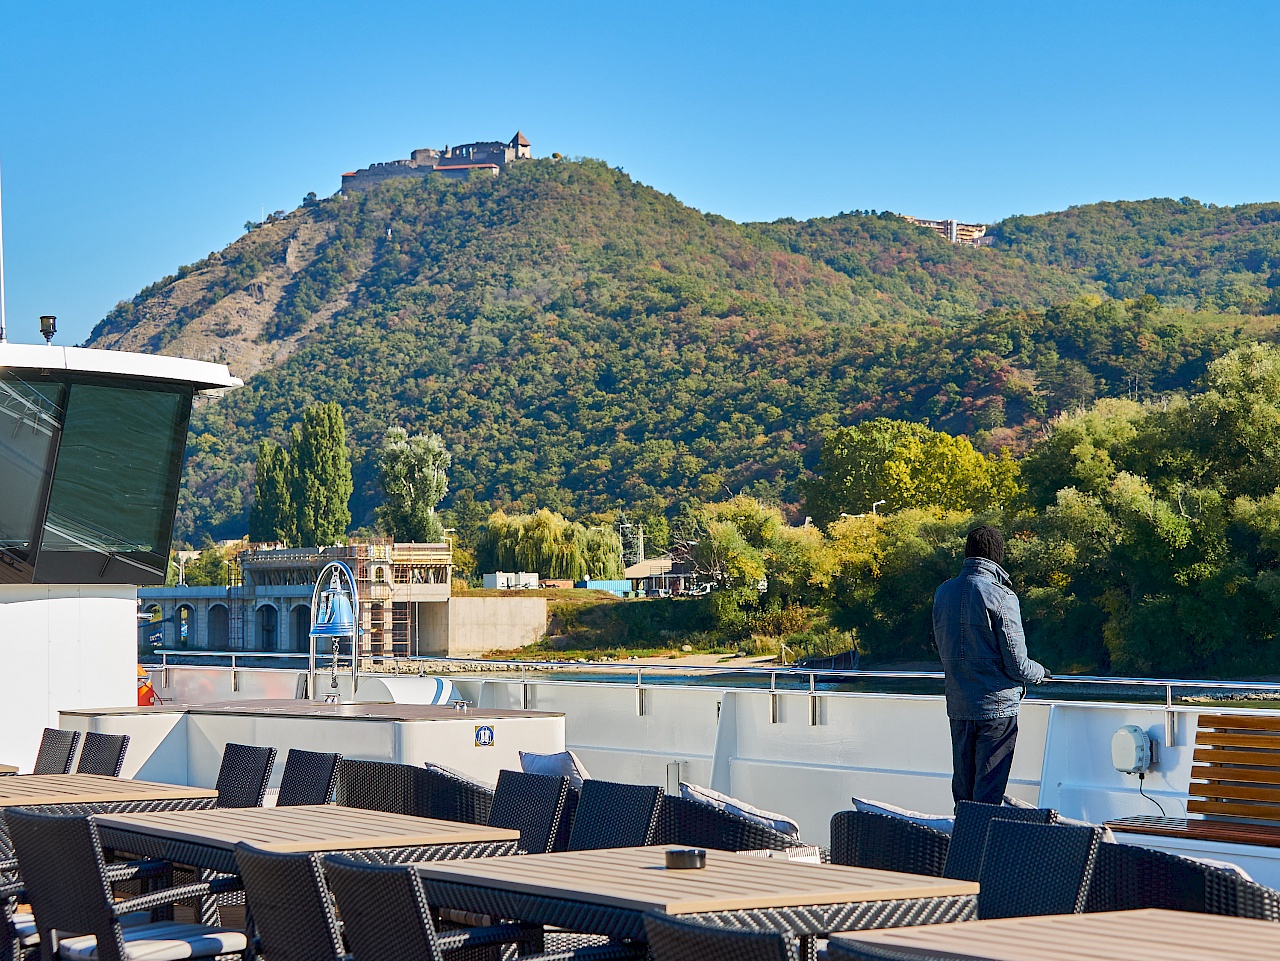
[36, 789]
[636, 879]
[310, 828]
[8, 769]
[1148, 935]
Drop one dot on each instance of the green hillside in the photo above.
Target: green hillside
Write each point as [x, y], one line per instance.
[583, 341]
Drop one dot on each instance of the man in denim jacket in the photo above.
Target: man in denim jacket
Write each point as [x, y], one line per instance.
[977, 626]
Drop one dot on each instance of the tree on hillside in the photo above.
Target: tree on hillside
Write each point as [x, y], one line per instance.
[273, 518]
[905, 465]
[322, 482]
[412, 472]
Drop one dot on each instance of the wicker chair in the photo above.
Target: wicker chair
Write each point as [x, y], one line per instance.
[865, 839]
[969, 838]
[1033, 869]
[69, 888]
[450, 797]
[292, 913]
[309, 778]
[57, 748]
[103, 754]
[612, 815]
[385, 915]
[681, 821]
[671, 939]
[242, 778]
[1128, 877]
[839, 949]
[532, 804]
[376, 786]
[565, 830]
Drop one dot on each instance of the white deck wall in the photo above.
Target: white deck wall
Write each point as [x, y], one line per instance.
[62, 647]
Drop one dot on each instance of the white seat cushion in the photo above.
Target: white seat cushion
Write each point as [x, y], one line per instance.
[939, 822]
[164, 941]
[564, 764]
[723, 802]
[24, 926]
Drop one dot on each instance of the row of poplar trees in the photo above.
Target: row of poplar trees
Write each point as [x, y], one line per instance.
[301, 493]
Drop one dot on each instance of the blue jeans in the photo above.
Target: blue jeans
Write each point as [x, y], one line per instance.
[981, 758]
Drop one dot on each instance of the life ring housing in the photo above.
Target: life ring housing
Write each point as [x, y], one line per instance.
[146, 693]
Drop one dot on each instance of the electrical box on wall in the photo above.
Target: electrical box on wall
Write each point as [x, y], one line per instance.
[1132, 750]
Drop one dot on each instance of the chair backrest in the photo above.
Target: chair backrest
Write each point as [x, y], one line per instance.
[565, 830]
[242, 778]
[681, 821]
[864, 839]
[376, 786]
[440, 794]
[290, 903]
[102, 754]
[613, 815]
[531, 804]
[1128, 877]
[1034, 869]
[969, 837]
[672, 939]
[309, 778]
[60, 860]
[384, 910]
[57, 747]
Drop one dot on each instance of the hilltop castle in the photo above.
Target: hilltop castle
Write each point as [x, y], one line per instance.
[455, 162]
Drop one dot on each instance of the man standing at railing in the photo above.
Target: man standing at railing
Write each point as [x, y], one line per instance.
[977, 626]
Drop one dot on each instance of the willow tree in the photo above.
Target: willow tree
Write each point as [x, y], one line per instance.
[549, 544]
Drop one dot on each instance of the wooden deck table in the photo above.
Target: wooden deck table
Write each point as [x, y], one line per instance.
[82, 794]
[8, 769]
[608, 892]
[207, 839]
[1148, 935]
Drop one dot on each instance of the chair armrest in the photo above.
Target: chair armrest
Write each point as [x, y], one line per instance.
[616, 951]
[494, 934]
[137, 870]
[181, 892]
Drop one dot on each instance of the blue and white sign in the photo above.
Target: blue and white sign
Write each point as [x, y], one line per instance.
[484, 735]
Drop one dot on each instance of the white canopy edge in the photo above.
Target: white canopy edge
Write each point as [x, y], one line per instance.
[205, 377]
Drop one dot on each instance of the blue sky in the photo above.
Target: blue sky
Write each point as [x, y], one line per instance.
[135, 137]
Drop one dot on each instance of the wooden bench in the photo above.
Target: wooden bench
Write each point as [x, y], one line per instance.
[1235, 784]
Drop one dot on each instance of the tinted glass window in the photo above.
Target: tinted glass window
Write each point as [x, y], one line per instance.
[116, 479]
[30, 415]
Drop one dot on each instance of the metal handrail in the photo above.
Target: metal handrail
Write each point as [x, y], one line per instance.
[764, 672]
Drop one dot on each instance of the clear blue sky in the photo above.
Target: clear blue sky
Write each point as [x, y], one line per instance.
[136, 137]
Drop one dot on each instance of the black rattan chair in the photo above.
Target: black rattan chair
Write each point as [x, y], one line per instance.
[69, 887]
[292, 913]
[102, 754]
[570, 814]
[681, 821]
[57, 748]
[242, 778]
[441, 794]
[1034, 869]
[612, 815]
[672, 939]
[1128, 877]
[864, 839]
[840, 949]
[385, 915]
[376, 786]
[309, 778]
[969, 837]
[531, 804]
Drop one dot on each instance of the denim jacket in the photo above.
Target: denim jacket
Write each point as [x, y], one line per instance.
[977, 627]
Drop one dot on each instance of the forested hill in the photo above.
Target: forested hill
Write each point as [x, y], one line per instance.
[581, 340]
